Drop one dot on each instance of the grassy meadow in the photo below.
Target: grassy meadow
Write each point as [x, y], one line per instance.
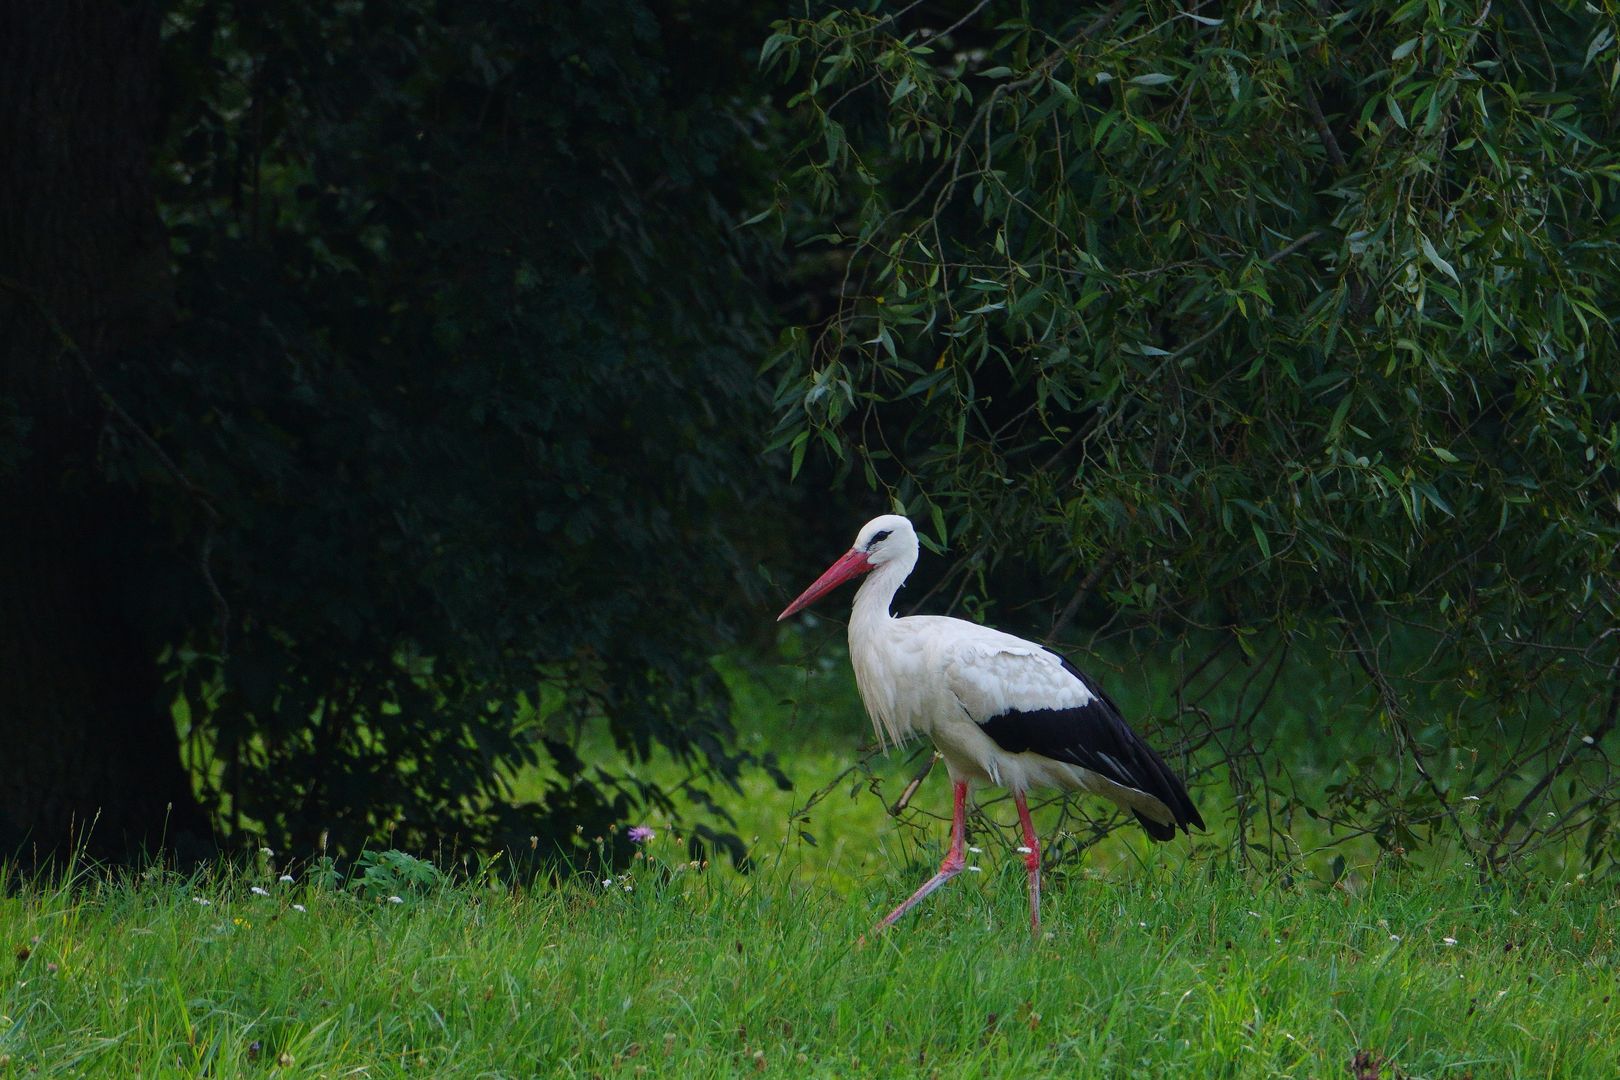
[689, 974]
[1156, 959]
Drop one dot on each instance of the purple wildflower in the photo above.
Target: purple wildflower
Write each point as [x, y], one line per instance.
[640, 834]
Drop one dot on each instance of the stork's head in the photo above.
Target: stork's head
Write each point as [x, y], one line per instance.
[888, 540]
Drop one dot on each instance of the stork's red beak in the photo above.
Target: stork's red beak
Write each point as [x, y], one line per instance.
[853, 564]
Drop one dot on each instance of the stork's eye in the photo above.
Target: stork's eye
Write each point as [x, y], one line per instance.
[877, 538]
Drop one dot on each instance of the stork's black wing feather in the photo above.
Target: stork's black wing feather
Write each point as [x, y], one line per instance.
[1095, 736]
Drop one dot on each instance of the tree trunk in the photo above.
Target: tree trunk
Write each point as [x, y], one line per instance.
[88, 752]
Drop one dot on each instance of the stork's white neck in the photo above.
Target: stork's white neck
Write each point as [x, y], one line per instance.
[874, 598]
[871, 645]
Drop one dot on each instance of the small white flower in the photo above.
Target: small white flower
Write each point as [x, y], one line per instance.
[1449, 940]
[299, 908]
[200, 900]
[256, 891]
[976, 850]
[1025, 850]
[395, 900]
[1588, 740]
[977, 869]
[607, 883]
[285, 879]
[629, 887]
[267, 853]
[1396, 938]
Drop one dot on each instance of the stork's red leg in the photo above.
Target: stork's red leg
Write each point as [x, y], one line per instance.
[955, 860]
[1032, 860]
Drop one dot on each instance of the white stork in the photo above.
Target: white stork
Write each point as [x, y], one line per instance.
[1001, 710]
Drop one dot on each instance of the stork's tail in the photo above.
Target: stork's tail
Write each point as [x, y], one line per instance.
[1174, 805]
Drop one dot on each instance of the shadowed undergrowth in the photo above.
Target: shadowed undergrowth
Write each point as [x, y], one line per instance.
[1305, 800]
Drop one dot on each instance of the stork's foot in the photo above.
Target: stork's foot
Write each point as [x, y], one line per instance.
[947, 870]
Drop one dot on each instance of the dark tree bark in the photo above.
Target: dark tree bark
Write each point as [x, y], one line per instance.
[88, 752]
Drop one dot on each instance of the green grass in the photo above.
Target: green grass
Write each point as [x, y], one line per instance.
[1171, 971]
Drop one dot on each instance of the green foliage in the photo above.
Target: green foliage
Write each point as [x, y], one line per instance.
[1178, 974]
[465, 386]
[1262, 329]
[393, 874]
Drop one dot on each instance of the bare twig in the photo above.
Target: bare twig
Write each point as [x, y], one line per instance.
[1087, 583]
[1397, 718]
[1590, 742]
[1330, 142]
